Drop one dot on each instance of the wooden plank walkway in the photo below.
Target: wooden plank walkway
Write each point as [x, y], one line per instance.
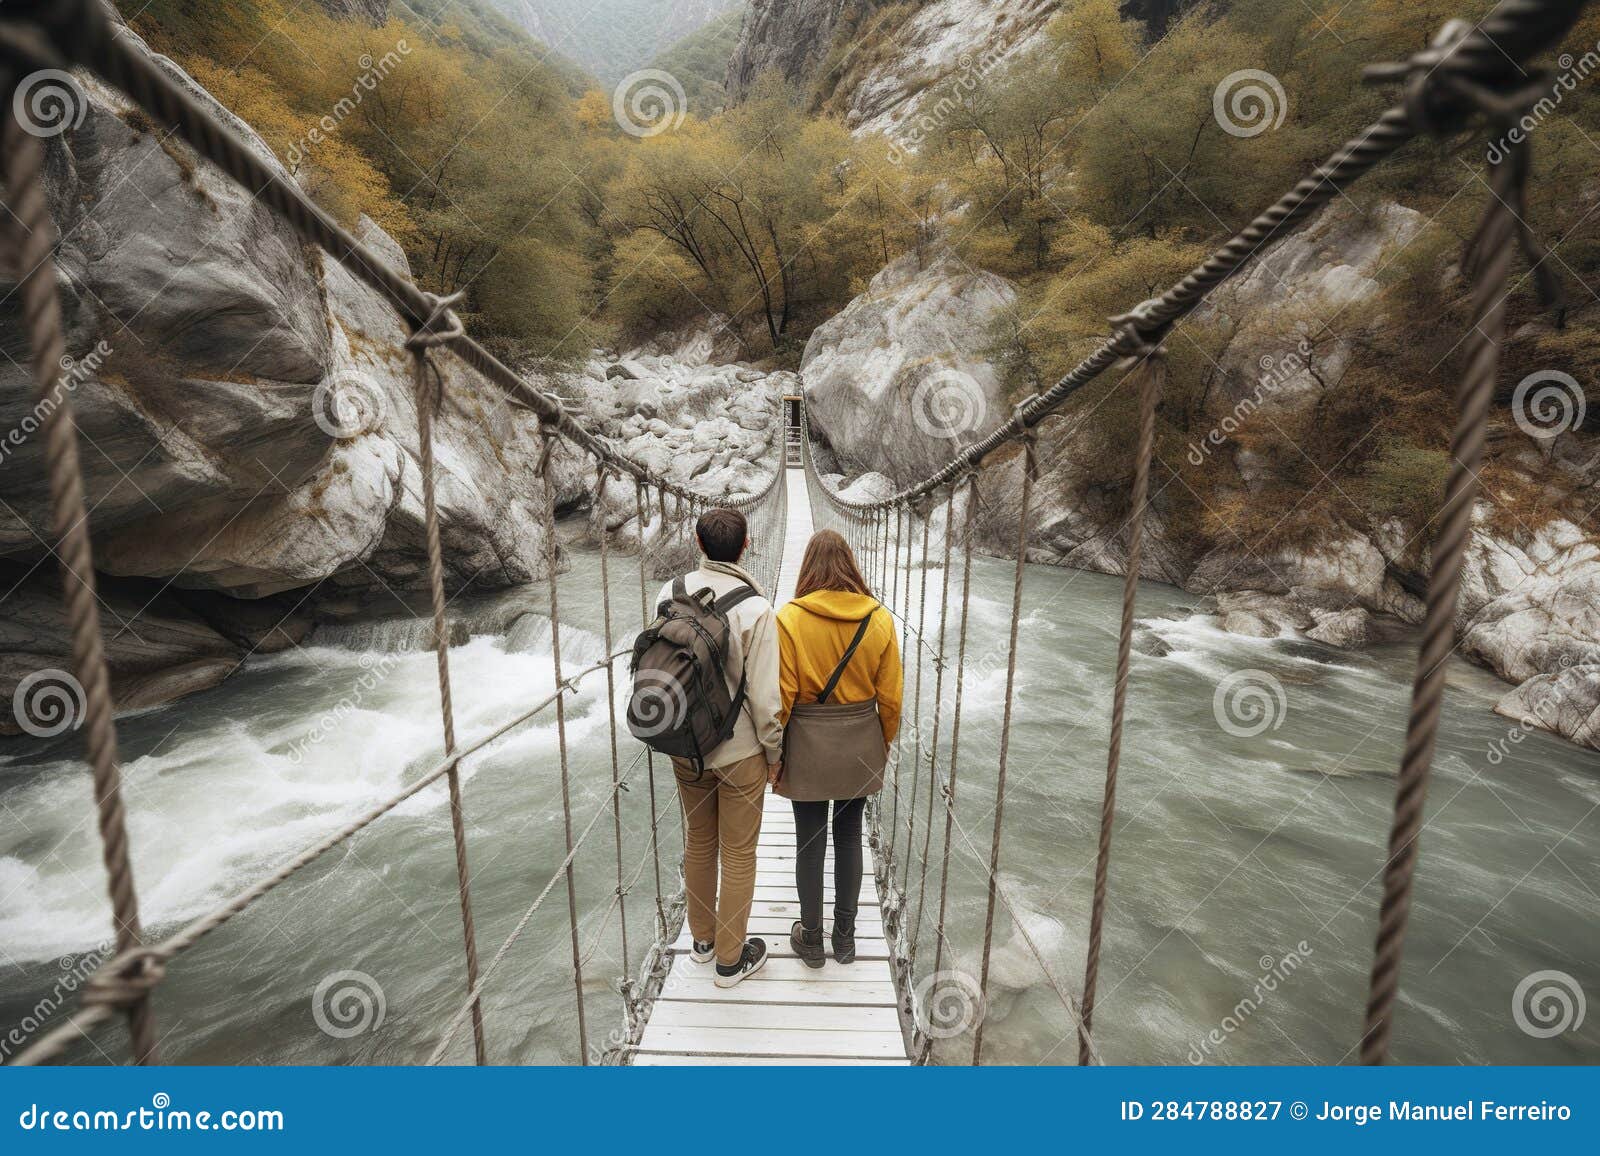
[786, 1013]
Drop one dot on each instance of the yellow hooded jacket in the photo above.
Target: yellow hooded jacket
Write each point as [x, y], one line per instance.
[813, 633]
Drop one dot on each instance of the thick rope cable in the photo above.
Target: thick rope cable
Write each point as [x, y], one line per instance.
[938, 703]
[34, 233]
[1488, 262]
[641, 505]
[602, 475]
[552, 559]
[968, 533]
[916, 711]
[1030, 468]
[1150, 373]
[442, 326]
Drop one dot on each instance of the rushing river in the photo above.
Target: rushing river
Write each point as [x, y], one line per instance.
[1243, 851]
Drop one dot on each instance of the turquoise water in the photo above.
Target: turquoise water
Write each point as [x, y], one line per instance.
[1231, 848]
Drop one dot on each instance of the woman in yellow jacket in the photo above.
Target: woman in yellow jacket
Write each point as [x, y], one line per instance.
[815, 629]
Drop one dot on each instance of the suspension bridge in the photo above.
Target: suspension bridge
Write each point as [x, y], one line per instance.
[875, 1010]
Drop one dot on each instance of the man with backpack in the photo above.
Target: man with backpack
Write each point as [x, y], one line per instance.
[705, 692]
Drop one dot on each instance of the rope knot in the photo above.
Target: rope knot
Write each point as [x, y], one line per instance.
[442, 325]
[1438, 96]
[125, 980]
[1140, 331]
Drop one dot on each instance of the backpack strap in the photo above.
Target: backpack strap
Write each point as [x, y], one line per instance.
[850, 651]
[732, 598]
[679, 590]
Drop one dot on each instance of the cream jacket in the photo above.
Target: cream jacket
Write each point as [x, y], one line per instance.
[754, 650]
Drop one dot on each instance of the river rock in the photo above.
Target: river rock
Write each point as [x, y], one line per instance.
[897, 382]
[1566, 702]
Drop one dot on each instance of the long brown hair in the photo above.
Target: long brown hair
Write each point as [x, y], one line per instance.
[829, 564]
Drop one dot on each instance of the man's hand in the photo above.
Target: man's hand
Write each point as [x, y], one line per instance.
[774, 773]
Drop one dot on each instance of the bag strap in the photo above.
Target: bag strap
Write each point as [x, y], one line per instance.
[679, 590]
[732, 598]
[850, 651]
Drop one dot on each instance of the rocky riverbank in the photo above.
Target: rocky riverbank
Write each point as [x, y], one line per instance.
[906, 375]
[249, 429]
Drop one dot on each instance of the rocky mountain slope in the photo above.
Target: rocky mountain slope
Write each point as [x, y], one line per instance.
[900, 381]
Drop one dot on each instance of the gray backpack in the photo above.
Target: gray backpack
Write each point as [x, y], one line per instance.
[680, 705]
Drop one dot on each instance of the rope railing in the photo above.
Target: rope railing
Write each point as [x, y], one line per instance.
[37, 35]
[1466, 75]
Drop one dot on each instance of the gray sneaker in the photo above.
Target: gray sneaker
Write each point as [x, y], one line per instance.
[807, 945]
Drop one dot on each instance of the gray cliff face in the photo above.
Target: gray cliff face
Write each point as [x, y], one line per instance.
[899, 382]
[789, 37]
[248, 428]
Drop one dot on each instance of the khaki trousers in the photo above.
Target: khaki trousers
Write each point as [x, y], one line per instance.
[721, 820]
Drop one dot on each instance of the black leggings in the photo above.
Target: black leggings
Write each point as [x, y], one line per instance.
[811, 843]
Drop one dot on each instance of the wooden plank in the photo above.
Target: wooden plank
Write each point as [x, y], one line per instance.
[770, 926]
[790, 909]
[686, 971]
[778, 947]
[830, 990]
[774, 1042]
[775, 1016]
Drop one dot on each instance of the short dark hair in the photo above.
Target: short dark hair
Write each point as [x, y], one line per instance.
[722, 534]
